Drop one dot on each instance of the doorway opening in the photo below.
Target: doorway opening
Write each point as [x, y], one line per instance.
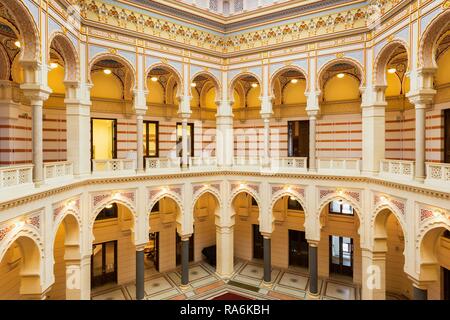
[341, 255]
[104, 263]
[258, 243]
[298, 249]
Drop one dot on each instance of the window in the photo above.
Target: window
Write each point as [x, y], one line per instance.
[151, 141]
[339, 207]
[293, 204]
[109, 212]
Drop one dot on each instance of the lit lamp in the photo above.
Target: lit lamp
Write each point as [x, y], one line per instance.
[17, 44]
[392, 70]
[107, 71]
[254, 85]
[294, 81]
[340, 75]
[154, 79]
[193, 84]
[109, 206]
[53, 65]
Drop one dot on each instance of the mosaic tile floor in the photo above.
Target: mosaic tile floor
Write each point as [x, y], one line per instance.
[246, 281]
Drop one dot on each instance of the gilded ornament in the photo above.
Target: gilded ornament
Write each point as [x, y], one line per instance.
[112, 50]
[339, 55]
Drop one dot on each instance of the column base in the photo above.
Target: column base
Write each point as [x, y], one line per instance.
[224, 277]
[312, 296]
[38, 184]
[185, 287]
[419, 179]
[267, 285]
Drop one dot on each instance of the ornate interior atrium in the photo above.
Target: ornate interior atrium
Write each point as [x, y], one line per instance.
[208, 149]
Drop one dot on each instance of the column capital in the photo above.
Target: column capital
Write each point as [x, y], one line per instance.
[421, 97]
[312, 113]
[185, 237]
[266, 235]
[35, 92]
[313, 243]
[140, 246]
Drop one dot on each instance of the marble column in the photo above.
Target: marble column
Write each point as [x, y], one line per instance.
[313, 269]
[224, 252]
[140, 272]
[184, 142]
[140, 142]
[184, 261]
[224, 134]
[420, 141]
[266, 141]
[419, 293]
[312, 140]
[267, 260]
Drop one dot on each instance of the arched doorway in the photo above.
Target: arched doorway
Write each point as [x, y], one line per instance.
[66, 252]
[20, 271]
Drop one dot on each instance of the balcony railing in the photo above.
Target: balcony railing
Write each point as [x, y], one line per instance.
[247, 162]
[60, 169]
[16, 175]
[294, 164]
[339, 166]
[163, 164]
[438, 174]
[113, 165]
[203, 162]
[397, 169]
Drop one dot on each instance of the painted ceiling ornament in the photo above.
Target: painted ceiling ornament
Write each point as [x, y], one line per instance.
[446, 5]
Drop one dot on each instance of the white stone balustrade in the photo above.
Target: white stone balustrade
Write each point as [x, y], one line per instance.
[397, 169]
[438, 174]
[203, 162]
[339, 166]
[162, 164]
[293, 164]
[113, 165]
[16, 175]
[60, 169]
[247, 162]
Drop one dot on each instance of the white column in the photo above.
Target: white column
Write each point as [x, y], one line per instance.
[225, 251]
[78, 115]
[184, 142]
[224, 134]
[312, 139]
[140, 141]
[420, 101]
[374, 275]
[266, 113]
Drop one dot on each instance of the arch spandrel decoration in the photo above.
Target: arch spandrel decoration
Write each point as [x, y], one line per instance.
[157, 193]
[29, 226]
[100, 200]
[62, 209]
[280, 191]
[201, 189]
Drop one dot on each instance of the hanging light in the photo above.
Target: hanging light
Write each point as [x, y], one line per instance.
[193, 84]
[107, 71]
[294, 81]
[53, 65]
[154, 79]
[254, 85]
[17, 44]
[392, 70]
[109, 206]
[340, 75]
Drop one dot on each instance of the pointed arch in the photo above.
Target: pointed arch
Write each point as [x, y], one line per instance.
[282, 70]
[211, 77]
[239, 76]
[382, 60]
[346, 60]
[428, 41]
[69, 53]
[168, 67]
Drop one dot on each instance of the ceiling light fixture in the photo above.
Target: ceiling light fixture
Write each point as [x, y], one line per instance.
[109, 206]
[193, 84]
[107, 71]
[53, 65]
[17, 44]
[340, 75]
[254, 85]
[392, 70]
[154, 79]
[294, 81]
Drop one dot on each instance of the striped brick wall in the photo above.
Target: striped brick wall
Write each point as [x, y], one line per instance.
[54, 135]
[434, 138]
[249, 138]
[15, 138]
[400, 135]
[339, 136]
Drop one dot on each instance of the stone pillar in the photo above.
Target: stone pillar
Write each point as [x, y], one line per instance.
[185, 261]
[224, 134]
[419, 293]
[37, 96]
[184, 142]
[373, 134]
[140, 142]
[420, 101]
[312, 139]
[267, 260]
[140, 272]
[266, 142]
[313, 270]
[224, 252]
[85, 266]
[78, 120]
[37, 296]
[374, 275]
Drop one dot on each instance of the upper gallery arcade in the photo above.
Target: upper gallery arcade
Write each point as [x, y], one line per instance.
[246, 126]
